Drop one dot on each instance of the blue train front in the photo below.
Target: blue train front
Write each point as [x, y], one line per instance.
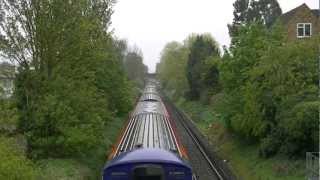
[148, 148]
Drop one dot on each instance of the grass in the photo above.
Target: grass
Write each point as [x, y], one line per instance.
[243, 158]
[63, 169]
[247, 164]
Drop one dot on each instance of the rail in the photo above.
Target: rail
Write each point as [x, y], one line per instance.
[218, 166]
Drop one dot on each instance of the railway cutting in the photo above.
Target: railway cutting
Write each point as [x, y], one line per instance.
[158, 144]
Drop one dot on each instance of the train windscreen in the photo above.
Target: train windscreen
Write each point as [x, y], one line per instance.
[148, 172]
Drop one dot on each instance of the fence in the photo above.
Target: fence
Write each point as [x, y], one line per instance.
[312, 165]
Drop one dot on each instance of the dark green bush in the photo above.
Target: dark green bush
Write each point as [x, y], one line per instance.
[8, 117]
[302, 129]
[271, 144]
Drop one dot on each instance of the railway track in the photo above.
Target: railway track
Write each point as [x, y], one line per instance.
[204, 162]
[148, 147]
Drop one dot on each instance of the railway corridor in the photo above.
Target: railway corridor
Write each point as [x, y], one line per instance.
[157, 136]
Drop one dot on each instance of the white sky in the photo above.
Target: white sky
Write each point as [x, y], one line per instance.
[150, 24]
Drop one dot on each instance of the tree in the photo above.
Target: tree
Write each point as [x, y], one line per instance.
[211, 75]
[172, 67]
[202, 48]
[265, 10]
[270, 90]
[239, 15]
[249, 11]
[71, 82]
[134, 67]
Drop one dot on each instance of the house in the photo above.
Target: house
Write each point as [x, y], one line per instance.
[7, 75]
[301, 22]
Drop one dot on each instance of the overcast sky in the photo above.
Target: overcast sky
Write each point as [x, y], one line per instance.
[150, 24]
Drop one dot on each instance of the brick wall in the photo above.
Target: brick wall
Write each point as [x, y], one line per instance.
[302, 15]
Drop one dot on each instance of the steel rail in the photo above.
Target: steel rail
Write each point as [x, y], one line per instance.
[194, 138]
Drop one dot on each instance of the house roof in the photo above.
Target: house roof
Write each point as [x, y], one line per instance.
[286, 17]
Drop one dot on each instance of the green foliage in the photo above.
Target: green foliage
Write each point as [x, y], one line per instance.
[266, 10]
[203, 47]
[264, 79]
[244, 112]
[264, 88]
[302, 129]
[270, 145]
[52, 169]
[210, 78]
[8, 116]
[297, 133]
[244, 159]
[251, 11]
[71, 81]
[14, 165]
[171, 70]
[134, 67]
[190, 69]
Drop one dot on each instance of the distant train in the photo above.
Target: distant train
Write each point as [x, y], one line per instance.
[148, 148]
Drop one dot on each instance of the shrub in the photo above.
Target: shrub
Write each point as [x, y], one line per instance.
[14, 165]
[302, 129]
[270, 145]
[8, 117]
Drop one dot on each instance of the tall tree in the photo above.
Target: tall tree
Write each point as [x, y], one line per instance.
[240, 14]
[172, 69]
[265, 10]
[69, 71]
[202, 48]
[134, 67]
[248, 11]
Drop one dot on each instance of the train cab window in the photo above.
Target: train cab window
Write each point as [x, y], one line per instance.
[151, 100]
[148, 172]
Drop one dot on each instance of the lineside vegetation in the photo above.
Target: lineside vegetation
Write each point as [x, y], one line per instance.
[71, 84]
[264, 88]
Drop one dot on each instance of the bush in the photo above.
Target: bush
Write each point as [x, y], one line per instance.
[13, 164]
[302, 129]
[68, 121]
[8, 117]
[297, 133]
[270, 145]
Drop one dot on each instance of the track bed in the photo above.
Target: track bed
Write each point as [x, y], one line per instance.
[203, 161]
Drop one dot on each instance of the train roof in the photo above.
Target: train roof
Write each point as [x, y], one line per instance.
[149, 107]
[149, 130]
[147, 155]
[150, 89]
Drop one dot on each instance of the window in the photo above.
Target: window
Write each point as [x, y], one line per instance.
[307, 30]
[148, 172]
[304, 30]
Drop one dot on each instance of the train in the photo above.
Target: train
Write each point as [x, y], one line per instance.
[148, 147]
